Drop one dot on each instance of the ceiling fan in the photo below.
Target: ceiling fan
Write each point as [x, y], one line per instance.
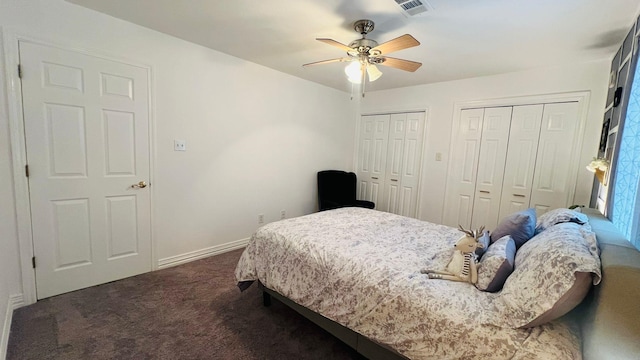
[364, 54]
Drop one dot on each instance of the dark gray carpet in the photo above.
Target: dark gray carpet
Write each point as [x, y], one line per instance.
[192, 311]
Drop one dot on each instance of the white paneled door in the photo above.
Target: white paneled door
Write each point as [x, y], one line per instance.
[464, 168]
[389, 161]
[491, 160]
[506, 159]
[87, 140]
[411, 160]
[403, 164]
[556, 157]
[372, 156]
[395, 150]
[521, 158]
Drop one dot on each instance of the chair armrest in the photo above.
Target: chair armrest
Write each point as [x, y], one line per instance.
[329, 205]
[365, 204]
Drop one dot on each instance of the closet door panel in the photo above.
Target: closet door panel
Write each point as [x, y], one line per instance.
[463, 204]
[512, 205]
[375, 193]
[379, 153]
[393, 176]
[408, 200]
[411, 160]
[521, 158]
[463, 169]
[491, 164]
[482, 211]
[389, 160]
[365, 153]
[363, 189]
[391, 197]
[395, 156]
[554, 162]
[372, 154]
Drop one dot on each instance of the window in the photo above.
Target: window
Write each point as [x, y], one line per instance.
[626, 196]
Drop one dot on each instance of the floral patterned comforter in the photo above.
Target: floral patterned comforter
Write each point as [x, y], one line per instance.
[361, 268]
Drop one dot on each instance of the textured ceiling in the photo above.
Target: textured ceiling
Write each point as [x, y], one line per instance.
[459, 38]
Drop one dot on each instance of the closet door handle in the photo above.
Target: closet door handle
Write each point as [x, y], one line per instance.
[518, 195]
[484, 191]
[140, 185]
[374, 178]
[394, 179]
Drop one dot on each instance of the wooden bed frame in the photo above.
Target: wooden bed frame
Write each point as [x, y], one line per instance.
[360, 343]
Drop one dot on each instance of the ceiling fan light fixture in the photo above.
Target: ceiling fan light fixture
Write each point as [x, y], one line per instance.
[353, 71]
[365, 54]
[373, 72]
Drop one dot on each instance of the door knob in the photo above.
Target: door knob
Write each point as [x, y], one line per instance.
[139, 185]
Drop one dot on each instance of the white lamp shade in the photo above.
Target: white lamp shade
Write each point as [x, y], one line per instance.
[374, 72]
[353, 72]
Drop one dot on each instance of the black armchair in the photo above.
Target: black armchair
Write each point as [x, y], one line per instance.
[337, 189]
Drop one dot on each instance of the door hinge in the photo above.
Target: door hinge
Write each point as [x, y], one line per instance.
[33, 261]
[26, 170]
[19, 71]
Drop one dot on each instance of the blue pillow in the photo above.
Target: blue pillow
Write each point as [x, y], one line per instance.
[521, 226]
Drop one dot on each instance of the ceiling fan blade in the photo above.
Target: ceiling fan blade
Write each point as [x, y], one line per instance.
[406, 65]
[335, 43]
[327, 61]
[400, 43]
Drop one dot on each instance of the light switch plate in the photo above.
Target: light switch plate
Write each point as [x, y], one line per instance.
[179, 145]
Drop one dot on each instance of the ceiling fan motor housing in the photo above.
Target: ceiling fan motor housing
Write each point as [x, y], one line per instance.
[362, 46]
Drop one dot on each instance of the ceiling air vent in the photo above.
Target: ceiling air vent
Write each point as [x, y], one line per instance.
[412, 7]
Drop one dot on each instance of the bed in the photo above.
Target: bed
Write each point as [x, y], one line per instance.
[360, 270]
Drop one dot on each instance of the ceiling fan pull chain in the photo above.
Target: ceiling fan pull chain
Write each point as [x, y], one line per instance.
[363, 75]
[352, 90]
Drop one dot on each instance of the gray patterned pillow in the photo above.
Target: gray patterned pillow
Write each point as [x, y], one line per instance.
[546, 274]
[496, 265]
[521, 226]
[557, 216]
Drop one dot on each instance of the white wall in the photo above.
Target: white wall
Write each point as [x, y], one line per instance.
[440, 100]
[255, 137]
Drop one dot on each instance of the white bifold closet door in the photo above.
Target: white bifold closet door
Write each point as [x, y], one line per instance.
[521, 158]
[464, 165]
[493, 151]
[389, 159]
[372, 157]
[507, 159]
[556, 157]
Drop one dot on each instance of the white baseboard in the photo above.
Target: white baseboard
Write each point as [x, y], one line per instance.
[15, 301]
[201, 254]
